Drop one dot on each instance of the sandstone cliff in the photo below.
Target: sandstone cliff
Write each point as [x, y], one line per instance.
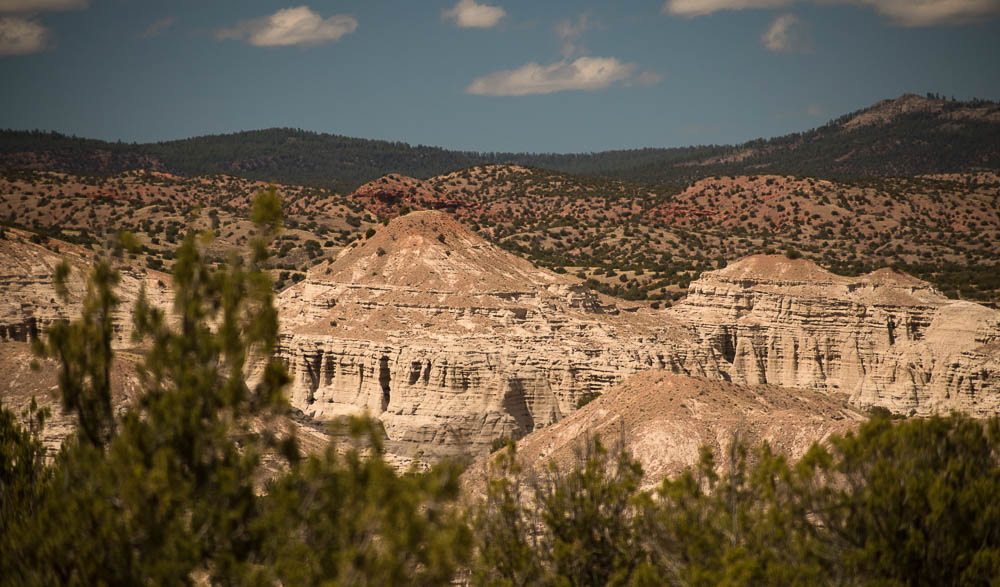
[883, 339]
[28, 299]
[452, 342]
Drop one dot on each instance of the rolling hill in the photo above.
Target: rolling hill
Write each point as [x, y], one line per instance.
[906, 136]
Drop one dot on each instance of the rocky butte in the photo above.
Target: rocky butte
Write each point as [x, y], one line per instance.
[450, 341]
[883, 339]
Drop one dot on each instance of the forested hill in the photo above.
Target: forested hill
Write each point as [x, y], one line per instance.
[284, 155]
[907, 136]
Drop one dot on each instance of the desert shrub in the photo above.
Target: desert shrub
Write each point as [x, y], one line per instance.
[897, 502]
[170, 490]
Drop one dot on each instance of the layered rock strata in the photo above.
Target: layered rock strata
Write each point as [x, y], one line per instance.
[883, 339]
[452, 342]
[28, 298]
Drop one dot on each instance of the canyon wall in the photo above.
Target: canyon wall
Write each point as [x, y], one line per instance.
[28, 299]
[451, 342]
[882, 339]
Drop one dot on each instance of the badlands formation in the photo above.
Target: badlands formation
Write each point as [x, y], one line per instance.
[28, 299]
[883, 339]
[451, 342]
[664, 420]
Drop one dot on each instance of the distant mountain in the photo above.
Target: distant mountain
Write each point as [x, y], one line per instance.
[908, 136]
[284, 155]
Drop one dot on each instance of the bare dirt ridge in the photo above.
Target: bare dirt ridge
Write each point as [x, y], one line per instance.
[884, 111]
[664, 419]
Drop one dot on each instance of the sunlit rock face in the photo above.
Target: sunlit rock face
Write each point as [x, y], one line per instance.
[28, 299]
[883, 339]
[451, 341]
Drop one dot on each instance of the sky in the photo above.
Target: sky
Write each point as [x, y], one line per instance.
[484, 75]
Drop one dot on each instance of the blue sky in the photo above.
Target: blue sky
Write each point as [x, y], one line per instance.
[491, 75]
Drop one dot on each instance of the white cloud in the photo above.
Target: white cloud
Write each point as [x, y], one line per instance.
[291, 26]
[467, 14]
[702, 7]
[569, 31]
[25, 6]
[908, 13]
[158, 28]
[584, 73]
[919, 13]
[786, 34]
[22, 36]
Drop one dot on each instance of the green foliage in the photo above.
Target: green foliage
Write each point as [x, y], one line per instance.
[22, 469]
[911, 502]
[352, 520]
[499, 442]
[169, 491]
[899, 502]
[83, 349]
[575, 527]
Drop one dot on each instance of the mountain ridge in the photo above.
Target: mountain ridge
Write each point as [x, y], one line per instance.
[923, 135]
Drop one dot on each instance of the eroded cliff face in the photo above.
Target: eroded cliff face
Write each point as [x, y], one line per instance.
[28, 299]
[883, 339]
[452, 342]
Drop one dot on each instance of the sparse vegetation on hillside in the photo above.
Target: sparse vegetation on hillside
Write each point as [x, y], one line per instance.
[160, 209]
[632, 241]
[933, 135]
[641, 243]
[896, 503]
[174, 487]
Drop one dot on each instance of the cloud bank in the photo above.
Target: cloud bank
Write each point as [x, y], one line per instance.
[921, 13]
[703, 7]
[291, 26]
[467, 14]
[584, 73]
[22, 36]
[907, 13]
